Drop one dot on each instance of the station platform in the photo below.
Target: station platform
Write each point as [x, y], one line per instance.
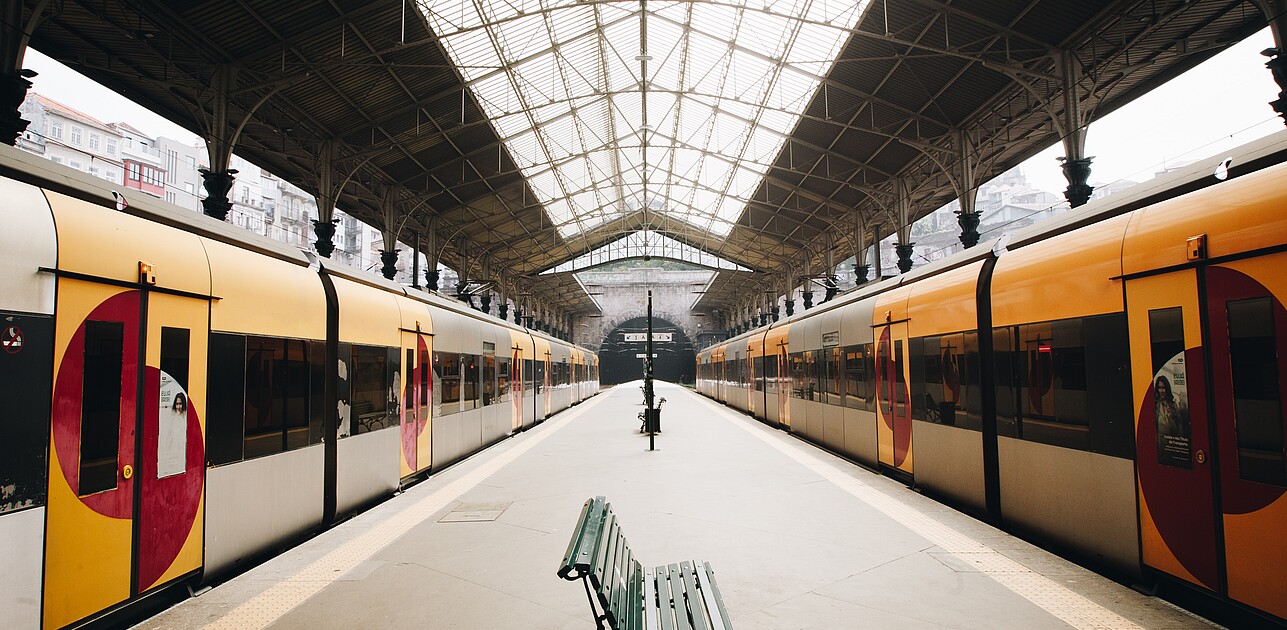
[798, 538]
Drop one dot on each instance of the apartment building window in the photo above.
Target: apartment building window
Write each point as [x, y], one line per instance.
[94, 141]
[74, 164]
[75, 135]
[93, 170]
[111, 176]
[56, 129]
[111, 147]
[170, 197]
[56, 159]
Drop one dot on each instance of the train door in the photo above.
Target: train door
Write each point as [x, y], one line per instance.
[1210, 427]
[784, 384]
[1176, 474]
[127, 467]
[416, 404]
[1248, 344]
[894, 431]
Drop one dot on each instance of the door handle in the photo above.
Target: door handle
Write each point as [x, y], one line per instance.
[1200, 456]
[127, 471]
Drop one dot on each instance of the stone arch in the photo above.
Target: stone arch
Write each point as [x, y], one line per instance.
[621, 361]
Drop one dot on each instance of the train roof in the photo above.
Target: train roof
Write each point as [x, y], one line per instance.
[37, 171]
[1248, 158]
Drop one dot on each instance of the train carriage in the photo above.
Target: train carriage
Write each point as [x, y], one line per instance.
[172, 381]
[1108, 383]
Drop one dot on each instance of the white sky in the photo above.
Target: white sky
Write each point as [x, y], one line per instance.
[1220, 104]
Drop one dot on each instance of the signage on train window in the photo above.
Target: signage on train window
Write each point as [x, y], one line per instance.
[644, 355]
[830, 339]
[11, 340]
[644, 336]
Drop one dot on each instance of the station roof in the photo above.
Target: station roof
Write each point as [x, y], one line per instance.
[518, 128]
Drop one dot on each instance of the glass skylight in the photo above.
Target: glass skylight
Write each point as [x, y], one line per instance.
[560, 81]
[646, 243]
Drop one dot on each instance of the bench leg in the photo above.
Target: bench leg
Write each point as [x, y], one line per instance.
[598, 619]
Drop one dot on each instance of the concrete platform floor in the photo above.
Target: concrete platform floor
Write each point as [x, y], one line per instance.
[798, 538]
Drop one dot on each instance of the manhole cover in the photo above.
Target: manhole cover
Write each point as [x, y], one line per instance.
[474, 512]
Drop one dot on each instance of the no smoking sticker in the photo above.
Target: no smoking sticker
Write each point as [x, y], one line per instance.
[11, 340]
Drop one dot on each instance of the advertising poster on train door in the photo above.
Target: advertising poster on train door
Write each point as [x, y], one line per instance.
[1171, 413]
[172, 429]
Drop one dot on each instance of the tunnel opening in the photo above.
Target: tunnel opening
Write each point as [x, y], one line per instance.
[622, 353]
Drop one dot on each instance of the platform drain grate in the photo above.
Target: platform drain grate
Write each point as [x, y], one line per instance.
[474, 513]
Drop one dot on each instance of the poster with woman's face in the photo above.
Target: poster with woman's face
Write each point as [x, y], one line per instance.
[172, 429]
[1171, 413]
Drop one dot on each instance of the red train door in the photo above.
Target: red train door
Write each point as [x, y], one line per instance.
[1247, 336]
[127, 463]
[1176, 475]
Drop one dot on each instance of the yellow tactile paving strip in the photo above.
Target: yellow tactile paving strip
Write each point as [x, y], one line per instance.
[279, 599]
[1054, 598]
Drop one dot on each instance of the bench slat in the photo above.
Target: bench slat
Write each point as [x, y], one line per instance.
[602, 549]
[651, 622]
[579, 534]
[711, 597]
[675, 581]
[694, 597]
[619, 584]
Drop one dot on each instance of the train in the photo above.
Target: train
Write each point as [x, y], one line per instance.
[1107, 383]
[182, 396]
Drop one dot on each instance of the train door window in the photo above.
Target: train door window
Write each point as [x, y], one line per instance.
[770, 374]
[528, 375]
[100, 420]
[538, 375]
[172, 427]
[797, 374]
[489, 379]
[757, 369]
[835, 376]
[1167, 348]
[900, 381]
[502, 379]
[469, 372]
[409, 395]
[1006, 369]
[369, 400]
[855, 377]
[1257, 402]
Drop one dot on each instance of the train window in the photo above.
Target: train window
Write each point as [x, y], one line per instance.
[770, 374]
[447, 369]
[295, 380]
[757, 369]
[919, 371]
[369, 398]
[1052, 380]
[835, 384]
[489, 379]
[226, 393]
[1257, 405]
[857, 386]
[469, 372]
[528, 375]
[538, 375]
[100, 415]
[1109, 403]
[317, 387]
[263, 417]
[502, 379]
[425, 386]
[1005, 363]
[797, 374]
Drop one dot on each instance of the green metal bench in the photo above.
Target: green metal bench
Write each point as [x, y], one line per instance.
[680, 596]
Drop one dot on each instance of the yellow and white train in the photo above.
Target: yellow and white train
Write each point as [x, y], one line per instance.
[1124, 399]
[180, 395]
